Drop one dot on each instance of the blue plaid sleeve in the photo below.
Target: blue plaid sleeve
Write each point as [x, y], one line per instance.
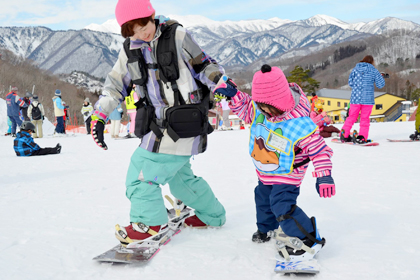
[24, 145]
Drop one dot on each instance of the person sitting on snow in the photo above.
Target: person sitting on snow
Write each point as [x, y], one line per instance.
[320, 118]
[25, 145]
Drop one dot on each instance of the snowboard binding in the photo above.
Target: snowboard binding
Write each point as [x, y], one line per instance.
[344, 139]
[415, 136]
[154, 241]
[292, 249]
[359, 139]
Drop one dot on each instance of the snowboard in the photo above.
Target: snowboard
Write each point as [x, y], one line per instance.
[137, 253]
[299, 267]
[369, 144]
[401, 140]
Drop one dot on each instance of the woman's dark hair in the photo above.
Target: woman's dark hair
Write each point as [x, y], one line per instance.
[127, 28]
[368, 59]
[272, 109]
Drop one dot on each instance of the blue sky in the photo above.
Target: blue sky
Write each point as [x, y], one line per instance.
[76, 14]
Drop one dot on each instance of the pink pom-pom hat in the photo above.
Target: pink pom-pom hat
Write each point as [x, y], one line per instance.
[270, 86]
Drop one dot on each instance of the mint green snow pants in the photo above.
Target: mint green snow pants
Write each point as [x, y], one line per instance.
[148, 170]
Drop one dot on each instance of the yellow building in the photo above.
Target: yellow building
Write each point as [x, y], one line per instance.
[387, 108]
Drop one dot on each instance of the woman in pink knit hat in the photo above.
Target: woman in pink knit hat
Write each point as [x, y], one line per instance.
[283, 140]
[169, 70]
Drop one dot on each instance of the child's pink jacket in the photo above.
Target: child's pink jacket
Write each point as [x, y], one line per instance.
[312, 146]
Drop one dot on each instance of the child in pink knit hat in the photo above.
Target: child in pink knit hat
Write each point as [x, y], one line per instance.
[283, 141]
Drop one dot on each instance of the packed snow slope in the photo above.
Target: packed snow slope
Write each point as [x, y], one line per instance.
[58, 212]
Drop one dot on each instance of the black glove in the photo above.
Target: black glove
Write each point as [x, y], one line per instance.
[385, 75]
[43, 118]
[86, 114]
[98, 127]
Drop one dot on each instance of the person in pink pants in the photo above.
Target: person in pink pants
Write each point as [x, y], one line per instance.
[362, 80]
[365, 111]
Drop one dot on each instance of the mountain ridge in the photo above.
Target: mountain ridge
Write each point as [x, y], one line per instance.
[231, 43]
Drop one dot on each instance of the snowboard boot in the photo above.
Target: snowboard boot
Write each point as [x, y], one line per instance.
[415, 136]
[195, 222]
[361, 140]
[295, 249]
[140, 233]
[343, 138]
[259, 237]
[13, 134]
[58, 148]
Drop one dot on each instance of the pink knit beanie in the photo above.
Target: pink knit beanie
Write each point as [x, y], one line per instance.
[270, 86]
[127, 10]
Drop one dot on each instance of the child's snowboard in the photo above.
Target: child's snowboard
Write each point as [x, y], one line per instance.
[143, 252]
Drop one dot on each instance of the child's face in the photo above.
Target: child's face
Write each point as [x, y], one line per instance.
[144, 33]
[269, 111]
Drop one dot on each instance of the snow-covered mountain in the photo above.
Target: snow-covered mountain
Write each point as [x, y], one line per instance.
[242, 42]
[230, 27]
[94, 49]
[64, 51]
[320, 20]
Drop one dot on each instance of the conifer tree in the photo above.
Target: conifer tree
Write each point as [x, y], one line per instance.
[302, 78]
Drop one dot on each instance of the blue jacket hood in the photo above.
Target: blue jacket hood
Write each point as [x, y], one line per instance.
[364, 67]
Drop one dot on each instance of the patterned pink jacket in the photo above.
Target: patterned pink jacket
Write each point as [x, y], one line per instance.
[312, 146]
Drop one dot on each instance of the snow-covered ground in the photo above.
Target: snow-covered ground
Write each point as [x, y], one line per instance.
[58, 212]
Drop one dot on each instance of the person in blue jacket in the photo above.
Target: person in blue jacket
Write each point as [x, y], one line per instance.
[59, 112]
[25, 145]
[14, 102]
[362, 80]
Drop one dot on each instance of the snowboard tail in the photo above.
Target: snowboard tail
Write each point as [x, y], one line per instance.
[119, 254]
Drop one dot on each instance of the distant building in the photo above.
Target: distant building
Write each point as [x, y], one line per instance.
[387, 108]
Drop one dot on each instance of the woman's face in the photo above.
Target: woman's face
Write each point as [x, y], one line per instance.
[144, 33]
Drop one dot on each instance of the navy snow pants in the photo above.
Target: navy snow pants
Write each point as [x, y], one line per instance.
[272, 201]
[60, 125]
[16, 122]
